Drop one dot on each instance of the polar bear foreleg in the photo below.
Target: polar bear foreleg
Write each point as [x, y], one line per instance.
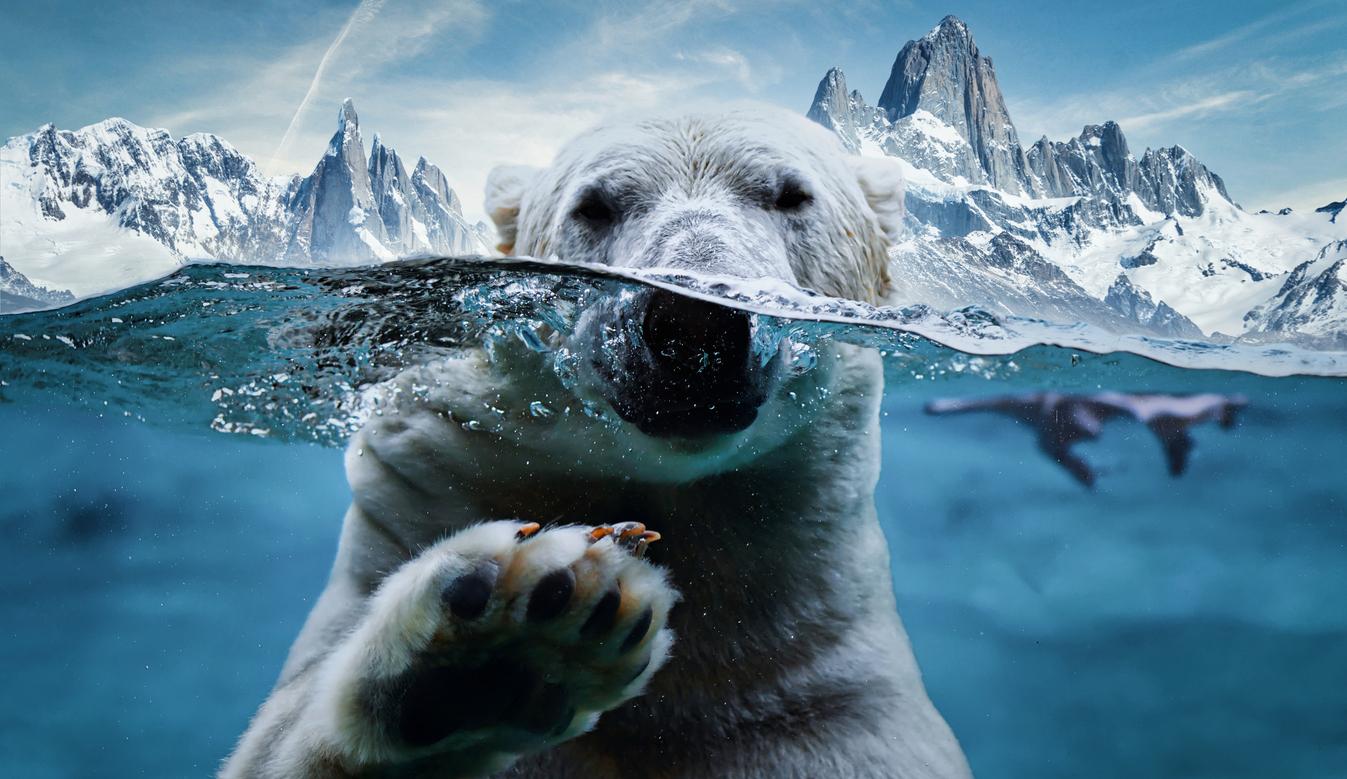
[499, 641]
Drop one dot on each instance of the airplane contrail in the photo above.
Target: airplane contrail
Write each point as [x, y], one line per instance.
[363, 13]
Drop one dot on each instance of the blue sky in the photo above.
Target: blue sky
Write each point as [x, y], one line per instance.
[1257, 90]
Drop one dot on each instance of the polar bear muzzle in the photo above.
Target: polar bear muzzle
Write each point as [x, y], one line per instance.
[677, 366]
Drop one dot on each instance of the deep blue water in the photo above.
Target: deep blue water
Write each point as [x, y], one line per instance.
[154, 571]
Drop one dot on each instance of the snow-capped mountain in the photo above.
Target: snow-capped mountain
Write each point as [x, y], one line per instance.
[17, 293]
[1157, 240]
[1005, 275]
[113, 203]
[1312, 302]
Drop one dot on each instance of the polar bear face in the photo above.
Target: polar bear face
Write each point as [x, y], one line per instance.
[744, 195]
[749, 195]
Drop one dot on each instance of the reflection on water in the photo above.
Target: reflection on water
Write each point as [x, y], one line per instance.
[154, 574]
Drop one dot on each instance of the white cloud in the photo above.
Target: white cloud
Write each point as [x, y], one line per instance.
[303, 86]
[469, 127]
[1204, 106]
[362, 15]
[1175, 103]
[1236, 35]
[1251, 32]
[622, 63]
[729, 60]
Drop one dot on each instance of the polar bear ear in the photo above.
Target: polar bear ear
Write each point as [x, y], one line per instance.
[881, 179]
[505, 188]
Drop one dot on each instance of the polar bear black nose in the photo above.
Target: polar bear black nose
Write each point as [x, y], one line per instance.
[695, 338]
[693, 374]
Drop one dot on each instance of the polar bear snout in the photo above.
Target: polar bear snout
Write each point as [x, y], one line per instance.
[684, 367]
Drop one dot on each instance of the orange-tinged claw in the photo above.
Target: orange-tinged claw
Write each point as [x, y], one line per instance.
[527, 531]
[651, 536]
[629, 530]
[602, 531]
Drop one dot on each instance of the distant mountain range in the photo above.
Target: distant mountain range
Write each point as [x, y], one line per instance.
[1079, 230]
[113, 204]
[1071, 231]
[17, 293]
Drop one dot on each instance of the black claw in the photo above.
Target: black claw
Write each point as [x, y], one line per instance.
[468, 595]
[604, 615]
[551, 595]
[638, 630]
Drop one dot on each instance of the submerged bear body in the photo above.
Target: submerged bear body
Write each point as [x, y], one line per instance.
[709, 594]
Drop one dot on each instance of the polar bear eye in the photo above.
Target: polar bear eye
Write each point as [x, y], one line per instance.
[595, 209]
[791, 197]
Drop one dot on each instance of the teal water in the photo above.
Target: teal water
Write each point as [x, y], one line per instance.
[173, 492]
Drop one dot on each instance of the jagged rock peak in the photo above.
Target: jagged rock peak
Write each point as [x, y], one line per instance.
[347, 115]
[346, 141]
[1108, 134]
[950, 27]
[841, 111]
[830, 99]
[944, 74]
[200, 198]
[1136, 305]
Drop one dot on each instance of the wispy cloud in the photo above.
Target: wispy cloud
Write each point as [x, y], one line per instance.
[626, 63]
[731, 61]
[522, 124]
[1245, 32]
[1225, 101]
[268, 109]
[363, 14]
[1176, 103]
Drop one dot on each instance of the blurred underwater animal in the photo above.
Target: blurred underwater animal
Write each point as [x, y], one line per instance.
[1064, 420]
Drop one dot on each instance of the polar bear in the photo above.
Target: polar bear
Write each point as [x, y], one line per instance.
[758, 636]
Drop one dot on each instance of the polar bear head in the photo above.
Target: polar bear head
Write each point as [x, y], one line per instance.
[749, 195]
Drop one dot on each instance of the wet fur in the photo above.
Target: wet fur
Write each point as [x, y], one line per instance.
[790, 659]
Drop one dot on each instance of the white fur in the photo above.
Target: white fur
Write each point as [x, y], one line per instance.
[790, 659]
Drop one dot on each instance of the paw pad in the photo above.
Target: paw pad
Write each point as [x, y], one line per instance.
[540, 630]
[551, 595]
[468, 595]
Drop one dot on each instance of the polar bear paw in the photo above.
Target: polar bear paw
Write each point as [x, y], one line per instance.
[505, 638]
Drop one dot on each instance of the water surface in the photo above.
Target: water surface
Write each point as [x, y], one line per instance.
[172, 465]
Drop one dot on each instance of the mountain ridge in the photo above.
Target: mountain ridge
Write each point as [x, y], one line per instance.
[1087, 205]
[72, 197]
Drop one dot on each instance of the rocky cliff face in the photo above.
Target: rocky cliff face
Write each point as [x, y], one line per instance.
[1311, 304]
[945, 75]
[1001, 274]
[200, 198]
[1136, 306]
[942, 111]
